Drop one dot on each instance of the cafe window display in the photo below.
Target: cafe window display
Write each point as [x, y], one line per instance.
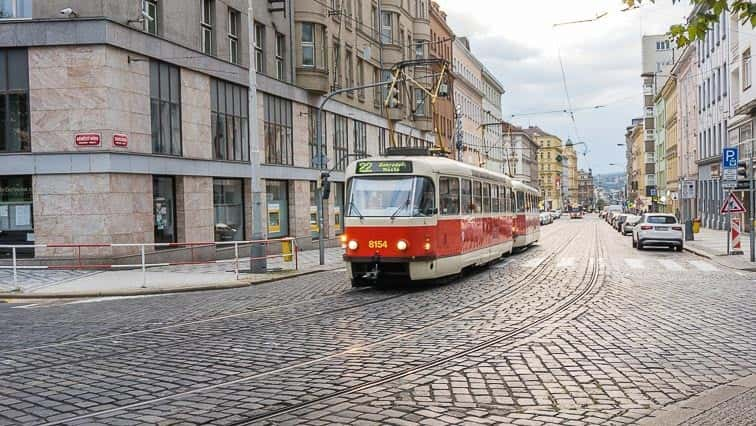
[164, 209]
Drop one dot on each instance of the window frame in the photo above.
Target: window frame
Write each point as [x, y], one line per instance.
[235, 143]
[280, 56]
[259, 44]
[308, 44]
[278, 130]
[155, 18]
[20, 93]
[444, 183]
[207, 26]
[174, 105]
[15, 8]
[234, 25]
[340, 141]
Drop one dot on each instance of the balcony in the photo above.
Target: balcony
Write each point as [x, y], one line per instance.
[313, 80]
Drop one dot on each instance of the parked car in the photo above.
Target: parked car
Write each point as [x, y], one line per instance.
[576, 214]
[630, 222]
[658, 229]
[619, 221]
[556, 214]
[546, 218]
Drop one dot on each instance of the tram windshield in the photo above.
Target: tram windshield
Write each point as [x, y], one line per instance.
[396, 196]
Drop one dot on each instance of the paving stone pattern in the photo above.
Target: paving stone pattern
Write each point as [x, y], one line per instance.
[491, 348]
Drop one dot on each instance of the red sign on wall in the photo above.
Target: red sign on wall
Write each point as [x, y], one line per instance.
[87, 139]
[120, 140]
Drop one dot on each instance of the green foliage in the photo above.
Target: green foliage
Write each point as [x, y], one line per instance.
[707, 13]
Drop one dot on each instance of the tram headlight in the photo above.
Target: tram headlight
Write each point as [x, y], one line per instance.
[427, 246]
[343, 240]
[353, 245]
[401, 245]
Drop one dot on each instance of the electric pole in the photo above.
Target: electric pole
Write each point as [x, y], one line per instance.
[258, 263]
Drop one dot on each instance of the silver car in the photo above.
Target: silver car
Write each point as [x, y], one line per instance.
[630, 222]
[658, 229]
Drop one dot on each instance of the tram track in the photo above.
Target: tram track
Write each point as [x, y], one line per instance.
[101, 356]
[530, 277]
[593, 276]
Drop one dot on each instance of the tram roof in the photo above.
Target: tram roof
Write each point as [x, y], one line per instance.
[452, 167]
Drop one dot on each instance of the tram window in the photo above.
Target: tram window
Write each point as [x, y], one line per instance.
[486, 198]
[495, 199]
[395, 196]
[465, 198]
[520, 199]
[448, 188]
[503, 197]
[477, 197]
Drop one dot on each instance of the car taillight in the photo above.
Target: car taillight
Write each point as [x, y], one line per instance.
[677, 228]
[646, 227]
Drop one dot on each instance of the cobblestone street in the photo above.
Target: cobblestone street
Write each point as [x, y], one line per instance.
[579, 329]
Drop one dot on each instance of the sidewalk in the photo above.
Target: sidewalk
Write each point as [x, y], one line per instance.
[712, 244]
[729, 404]
[166, 279]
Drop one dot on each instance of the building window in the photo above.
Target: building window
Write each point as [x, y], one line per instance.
[259, 47]
[206, 24]
[419, 103]
[165, 108]
[278, 208]
[361, 78]
[16, 215]
[338, 207]
[280, 55]
[387, 28]
[340, 142]
[349, 70]
[360, 139]
[381, 141]
[150, 14]
[308, 44]
[419, 53]
[358, 14]
[229, 121]
[377, 90]
[228, 207]
[746, 69]
[164, 208]
[234, 24]
[15, 9]
[312, 115]
[336, 65]
[279, 148]
[14, 101]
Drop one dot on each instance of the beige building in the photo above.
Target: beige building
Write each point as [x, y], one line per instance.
[687, 126]
[468, 98]
[570, 175]
[671, 196]
[550, 167]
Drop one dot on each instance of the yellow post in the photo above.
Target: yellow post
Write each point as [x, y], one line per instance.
[286, 250]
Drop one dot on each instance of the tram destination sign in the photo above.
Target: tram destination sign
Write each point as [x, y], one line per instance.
[384, 167]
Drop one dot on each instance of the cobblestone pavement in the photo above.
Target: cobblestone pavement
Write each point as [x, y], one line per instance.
[581, 329]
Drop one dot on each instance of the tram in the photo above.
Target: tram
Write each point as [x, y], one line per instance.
[423, 217]
[527, 224]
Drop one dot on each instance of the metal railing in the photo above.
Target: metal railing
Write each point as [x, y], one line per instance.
[143, 253]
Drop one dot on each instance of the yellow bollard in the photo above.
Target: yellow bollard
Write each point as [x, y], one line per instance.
[696, 226]
[286, 251]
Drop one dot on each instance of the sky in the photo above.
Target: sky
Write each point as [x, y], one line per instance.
[517, 42]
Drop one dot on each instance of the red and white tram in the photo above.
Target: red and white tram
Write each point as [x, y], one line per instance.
[527, 224]
[424, 217]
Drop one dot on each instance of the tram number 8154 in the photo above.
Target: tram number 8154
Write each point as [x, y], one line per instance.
[375, 244]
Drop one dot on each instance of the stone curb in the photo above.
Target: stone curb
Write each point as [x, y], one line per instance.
[150, 291]
[680, 412]
[713, 258]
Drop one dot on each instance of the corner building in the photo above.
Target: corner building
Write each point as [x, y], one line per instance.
[125, 129]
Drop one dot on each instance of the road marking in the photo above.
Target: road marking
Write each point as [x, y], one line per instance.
[566, 262]
[671, 265]
[532, 263]
[703, 266]
[635, 263]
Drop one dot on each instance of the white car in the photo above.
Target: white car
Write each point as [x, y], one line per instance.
[546, 218]
[556, 214]
[658, 229]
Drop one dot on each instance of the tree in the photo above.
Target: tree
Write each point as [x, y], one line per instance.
[707, 14]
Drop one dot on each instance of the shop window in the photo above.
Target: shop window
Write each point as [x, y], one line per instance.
[278, 208]
[279, 148]
[164, 205]
[228, 207]
[165, 108]
[314, 222]
[338, 207]
[14, 101]
[16, 216]
[229, 121]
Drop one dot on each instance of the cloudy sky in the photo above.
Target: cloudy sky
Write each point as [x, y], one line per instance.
[516, 40]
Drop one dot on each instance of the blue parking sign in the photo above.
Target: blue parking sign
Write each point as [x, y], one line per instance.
[730, 158]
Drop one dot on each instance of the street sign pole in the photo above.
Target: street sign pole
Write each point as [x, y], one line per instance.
[751, 199]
